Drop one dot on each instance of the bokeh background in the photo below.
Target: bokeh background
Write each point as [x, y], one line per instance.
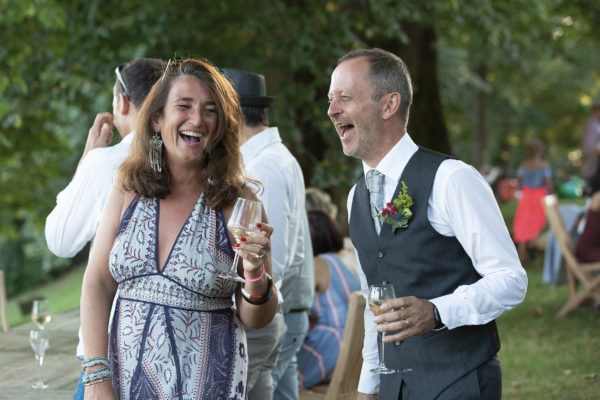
[487, 76]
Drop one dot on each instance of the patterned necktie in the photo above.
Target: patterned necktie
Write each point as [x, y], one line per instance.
[374, 181]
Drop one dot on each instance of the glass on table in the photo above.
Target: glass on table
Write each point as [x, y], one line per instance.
[38, 339]
[40, 312]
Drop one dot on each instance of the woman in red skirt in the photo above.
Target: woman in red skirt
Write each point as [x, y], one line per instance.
[535, 178]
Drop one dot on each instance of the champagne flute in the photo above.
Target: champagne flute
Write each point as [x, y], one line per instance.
[38, 340]
[377, 296]
[242, 223]
[40, 312]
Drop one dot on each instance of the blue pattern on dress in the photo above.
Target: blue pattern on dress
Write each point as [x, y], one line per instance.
[174, 333]
[319, 352]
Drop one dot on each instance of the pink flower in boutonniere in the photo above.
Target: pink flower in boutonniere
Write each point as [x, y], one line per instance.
[397, 213]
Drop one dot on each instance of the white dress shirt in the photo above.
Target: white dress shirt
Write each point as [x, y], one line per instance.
[74, 220]
[461, 205]
[268, 161]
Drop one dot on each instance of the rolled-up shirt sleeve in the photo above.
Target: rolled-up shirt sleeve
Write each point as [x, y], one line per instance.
[74, 220]
[463, 205]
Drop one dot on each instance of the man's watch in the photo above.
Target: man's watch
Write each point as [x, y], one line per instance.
[436, 317]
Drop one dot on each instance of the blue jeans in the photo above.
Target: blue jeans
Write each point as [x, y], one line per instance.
[79, 390]
[285, 377]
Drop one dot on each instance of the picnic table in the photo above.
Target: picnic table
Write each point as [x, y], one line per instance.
[18, 368]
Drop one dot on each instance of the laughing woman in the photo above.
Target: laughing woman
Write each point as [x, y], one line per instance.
[162, 242]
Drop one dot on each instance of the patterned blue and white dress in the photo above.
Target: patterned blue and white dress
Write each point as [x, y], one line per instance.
[174, 334]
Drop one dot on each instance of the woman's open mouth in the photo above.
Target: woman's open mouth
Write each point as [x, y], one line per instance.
[190, 137]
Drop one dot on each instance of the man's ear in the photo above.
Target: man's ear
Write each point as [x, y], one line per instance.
[391, 105]
[124, 104]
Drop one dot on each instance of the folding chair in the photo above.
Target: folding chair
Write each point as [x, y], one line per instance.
[582, 273]
[3, 314]
[344, 382]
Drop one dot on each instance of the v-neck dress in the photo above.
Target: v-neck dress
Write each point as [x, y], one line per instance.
[174, 333]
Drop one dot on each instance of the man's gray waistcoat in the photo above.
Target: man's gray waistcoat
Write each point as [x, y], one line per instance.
[420, 262]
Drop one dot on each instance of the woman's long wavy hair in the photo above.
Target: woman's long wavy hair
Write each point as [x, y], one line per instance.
[221, 171]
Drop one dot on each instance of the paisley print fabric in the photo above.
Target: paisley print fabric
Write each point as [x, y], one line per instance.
[174, 333]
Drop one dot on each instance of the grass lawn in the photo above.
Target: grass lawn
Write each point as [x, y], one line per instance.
[542, 357]
[63, 293]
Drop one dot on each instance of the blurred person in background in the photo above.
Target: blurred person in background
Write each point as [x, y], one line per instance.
[591, 145]
[588, 244]
[535, 180]
[75, 218]
[334, 283]
[272, 350]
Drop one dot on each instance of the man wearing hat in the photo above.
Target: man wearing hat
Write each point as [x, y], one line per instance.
[271, 163]
[591, 143]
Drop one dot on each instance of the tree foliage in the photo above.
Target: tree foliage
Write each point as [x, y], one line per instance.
[486, 75]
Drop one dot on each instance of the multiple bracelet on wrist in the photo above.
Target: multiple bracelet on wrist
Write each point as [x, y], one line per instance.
[98, 375]
[259, 299]
[255, 279]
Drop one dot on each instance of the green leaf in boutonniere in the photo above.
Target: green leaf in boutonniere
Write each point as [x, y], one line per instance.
[397, 213]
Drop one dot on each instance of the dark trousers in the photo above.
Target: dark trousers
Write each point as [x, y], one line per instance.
[483, 383]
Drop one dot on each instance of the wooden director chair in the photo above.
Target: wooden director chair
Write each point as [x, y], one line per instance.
[582, 273]
[3, 313]
[346, 373]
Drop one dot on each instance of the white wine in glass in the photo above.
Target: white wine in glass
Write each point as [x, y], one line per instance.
[242, 223]
[378, 294]
[40, 312]
[38, 340]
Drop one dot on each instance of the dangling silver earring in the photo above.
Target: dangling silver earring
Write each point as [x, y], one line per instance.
[155, 153]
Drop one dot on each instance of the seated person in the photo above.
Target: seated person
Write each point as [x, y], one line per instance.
[334, 283]
[588, 245]
[319, 200]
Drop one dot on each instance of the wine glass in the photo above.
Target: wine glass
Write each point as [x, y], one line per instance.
[377, 296]
[40, 312]
[38, 340]
[242, 223]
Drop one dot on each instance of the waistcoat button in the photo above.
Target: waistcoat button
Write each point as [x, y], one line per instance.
[380, 254]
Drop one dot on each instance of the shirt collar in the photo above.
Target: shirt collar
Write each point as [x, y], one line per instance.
[258, 142]
[128, 138]
[393, 163]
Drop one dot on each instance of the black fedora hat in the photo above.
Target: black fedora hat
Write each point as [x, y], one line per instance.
[251, 87]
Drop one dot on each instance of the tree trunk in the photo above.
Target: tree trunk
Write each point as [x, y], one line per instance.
[426, 123]
[480, 128]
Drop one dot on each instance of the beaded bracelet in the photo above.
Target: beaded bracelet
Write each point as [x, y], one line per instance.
[256, 279]
[97, 376]
[90, 362]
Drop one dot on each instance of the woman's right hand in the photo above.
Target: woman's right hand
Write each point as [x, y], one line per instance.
[100, 391]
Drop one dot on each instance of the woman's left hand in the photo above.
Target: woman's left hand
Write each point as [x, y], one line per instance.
[255, 250]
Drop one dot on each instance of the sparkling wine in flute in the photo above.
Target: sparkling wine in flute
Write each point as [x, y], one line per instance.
[40, 312]
[242, 223]
[378, 294]
[41, 319]
[239, 232]
[375, 306]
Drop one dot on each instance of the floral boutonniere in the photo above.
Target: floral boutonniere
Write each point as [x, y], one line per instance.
[398, 212]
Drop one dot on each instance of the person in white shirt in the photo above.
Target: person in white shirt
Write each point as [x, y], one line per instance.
[272, 355]
[448, 255]
[75, 218]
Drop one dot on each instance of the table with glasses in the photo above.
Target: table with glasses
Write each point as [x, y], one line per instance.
[60, 370]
